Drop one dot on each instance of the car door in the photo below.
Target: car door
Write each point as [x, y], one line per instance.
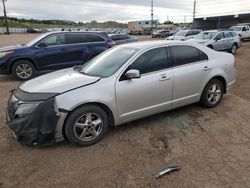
[219, 41]
[50, 52]
[245, 32]
[83, 46]
[229, 40]
[150, 93]
[189, 71]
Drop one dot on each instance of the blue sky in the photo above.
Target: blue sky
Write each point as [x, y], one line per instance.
[121, 10]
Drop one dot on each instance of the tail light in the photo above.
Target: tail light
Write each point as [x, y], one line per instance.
[111, 44]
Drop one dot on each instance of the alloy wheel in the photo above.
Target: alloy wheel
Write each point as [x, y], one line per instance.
[214, 93]
[24, 71]
[88, 127]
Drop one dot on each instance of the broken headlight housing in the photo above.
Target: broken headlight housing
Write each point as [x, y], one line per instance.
[24, 109]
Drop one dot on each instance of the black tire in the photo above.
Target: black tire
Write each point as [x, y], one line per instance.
[30, 70]
[71, 129]
[205, 94]
[233, 49]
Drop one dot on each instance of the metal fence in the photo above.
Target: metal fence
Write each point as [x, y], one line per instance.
[13, 30]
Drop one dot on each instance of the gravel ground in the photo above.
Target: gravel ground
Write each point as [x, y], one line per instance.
[212, 146]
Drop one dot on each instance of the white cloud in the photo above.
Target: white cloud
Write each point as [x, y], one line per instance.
[120, 10]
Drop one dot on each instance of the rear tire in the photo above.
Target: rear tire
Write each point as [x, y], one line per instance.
[23, 70]
[233, 49]
[86, 125]
[212, 94]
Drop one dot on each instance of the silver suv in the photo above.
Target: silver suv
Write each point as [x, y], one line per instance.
[125, 83]
[219, 40]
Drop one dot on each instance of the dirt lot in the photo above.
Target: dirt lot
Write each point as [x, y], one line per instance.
[211, 145]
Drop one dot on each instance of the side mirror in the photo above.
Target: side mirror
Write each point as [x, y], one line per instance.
[42, 45]
[217, 39]
[133, 73]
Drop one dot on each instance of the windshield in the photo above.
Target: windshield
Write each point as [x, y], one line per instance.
[35, 40]
[235, 28]
[107, 63]
[205, 35]
[181, 33]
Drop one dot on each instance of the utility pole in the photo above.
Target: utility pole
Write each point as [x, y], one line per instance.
[152, 13]
[5, 17]
[194, 11]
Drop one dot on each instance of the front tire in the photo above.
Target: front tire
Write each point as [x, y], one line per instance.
[212, 94]
[86, 125]
[23, 70]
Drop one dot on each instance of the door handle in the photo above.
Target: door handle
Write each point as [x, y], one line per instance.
[206, 68]
[164, 77]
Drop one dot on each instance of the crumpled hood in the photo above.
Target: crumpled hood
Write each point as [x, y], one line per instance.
[58, 82]
[11, 48]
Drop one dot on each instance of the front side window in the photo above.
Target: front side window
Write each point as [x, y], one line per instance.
[152, 60]
[186, 54]
[244, 29]
[219, 36]
[189, 33]
[54, 40]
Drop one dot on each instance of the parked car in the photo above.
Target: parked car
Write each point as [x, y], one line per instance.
[122, 38]
[160, 34]
[184, 35]
[242, 30]
[125, 83]
[219, 40]
[54, 50]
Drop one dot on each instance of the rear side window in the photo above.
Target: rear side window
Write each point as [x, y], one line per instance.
[187, 54]
[228, 34]
[152, 60]
[74, 38]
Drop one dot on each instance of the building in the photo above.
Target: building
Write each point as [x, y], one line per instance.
[221, 22]
[142, 25]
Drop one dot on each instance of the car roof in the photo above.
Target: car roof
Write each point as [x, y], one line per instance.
[117, 34]
[151, 44]
[211, 31]
[56, 32]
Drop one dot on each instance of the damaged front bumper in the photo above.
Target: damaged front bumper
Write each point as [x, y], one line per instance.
[42, 127]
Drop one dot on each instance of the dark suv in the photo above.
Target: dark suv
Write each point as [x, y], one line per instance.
[54, 50]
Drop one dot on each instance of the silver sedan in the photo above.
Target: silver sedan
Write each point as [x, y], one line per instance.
[125, 83]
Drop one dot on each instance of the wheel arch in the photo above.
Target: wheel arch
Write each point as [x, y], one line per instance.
[30, 59]
[101, 105]
[220, 78]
